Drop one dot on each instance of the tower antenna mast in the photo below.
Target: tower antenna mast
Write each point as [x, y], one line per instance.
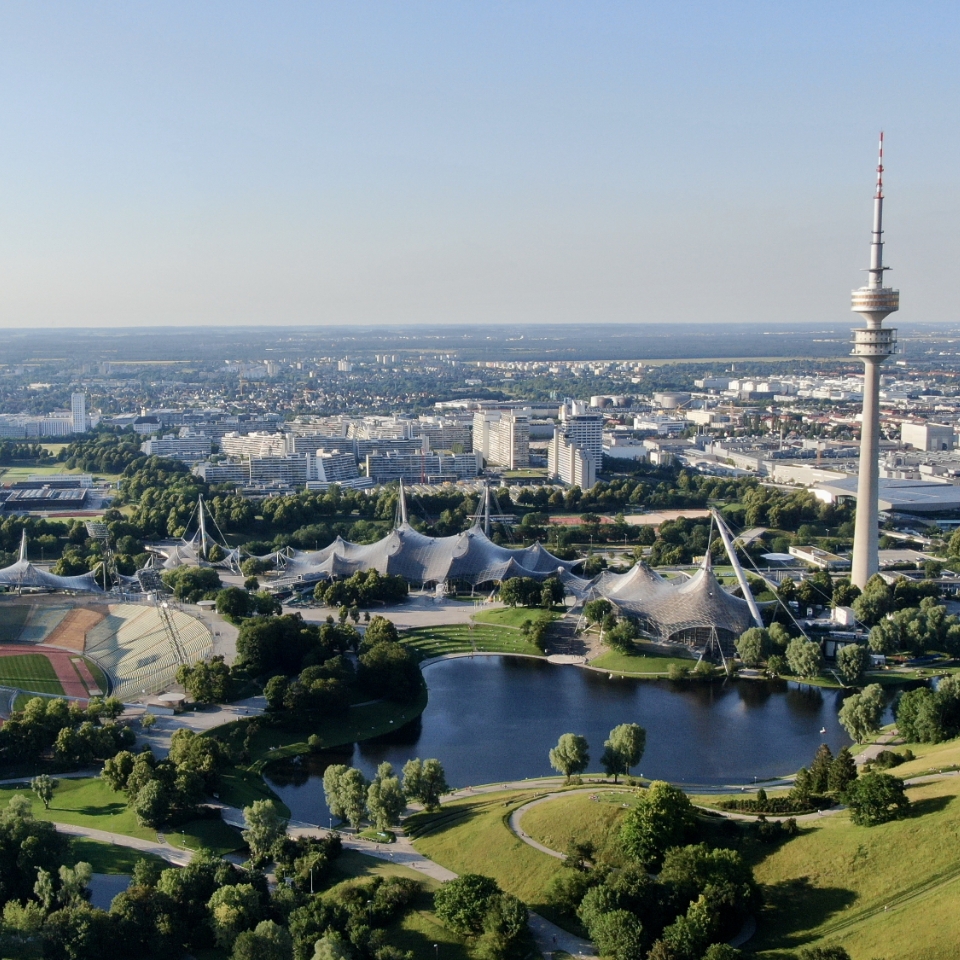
[872, 344]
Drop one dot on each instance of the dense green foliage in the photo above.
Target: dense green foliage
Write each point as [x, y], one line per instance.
[75, 735]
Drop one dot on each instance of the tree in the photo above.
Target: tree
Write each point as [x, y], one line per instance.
[43, 786]
[875, 602]
[820, 769]
[861, 712]
[776, 665]
[233, 908]
[267, 941]
[753, 646]
[152, 804]
[624, 749]
[504, 926]
[332, 946]
[804, 657]
[380, 628]
[265, 829]
[425, 781]
[663, 818]
[619, 935]
[385, 800]
[920, 716]
[353, 794]
[462, 904]
[824, 953]
[852, 662]
[843, 771]
[332, 792]
[596, 610]
[206, 681]
[876, 798]
[233, 603]
[571, 755]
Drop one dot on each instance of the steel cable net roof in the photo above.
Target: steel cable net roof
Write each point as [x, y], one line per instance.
[188, 554]
[405, 552]
[24, 574]
[700, 601]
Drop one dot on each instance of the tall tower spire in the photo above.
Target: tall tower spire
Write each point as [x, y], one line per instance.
[872, 344]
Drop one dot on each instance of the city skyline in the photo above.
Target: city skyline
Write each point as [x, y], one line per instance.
[376, 164]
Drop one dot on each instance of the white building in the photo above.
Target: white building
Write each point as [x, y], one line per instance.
[927, 436]
[502, 437]
[254, 444]
[334, 467]
[78, 411]
[189, 447]
[575, 453]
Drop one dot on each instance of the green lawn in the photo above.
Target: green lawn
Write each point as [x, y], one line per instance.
[471, 835]
[889, 890]
[648, 660]
[90, 802]
[14, 474]
[429, 642]
[108, 858]
[29, 671]
[576, 817]
[513, 616]
[12, 618]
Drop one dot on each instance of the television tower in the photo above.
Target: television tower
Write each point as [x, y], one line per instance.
[872, 344]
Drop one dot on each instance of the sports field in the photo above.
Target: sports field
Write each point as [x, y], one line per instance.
[30, 671]
[57, 672]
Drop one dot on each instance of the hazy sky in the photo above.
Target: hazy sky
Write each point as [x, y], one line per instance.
[444, 162]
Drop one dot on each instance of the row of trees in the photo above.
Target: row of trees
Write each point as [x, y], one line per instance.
[351, 798]
[621, 752]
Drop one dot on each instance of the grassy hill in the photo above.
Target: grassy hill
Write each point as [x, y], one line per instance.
[889, 891]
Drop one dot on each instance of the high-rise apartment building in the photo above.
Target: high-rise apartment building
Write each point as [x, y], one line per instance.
[575, 453]
[502, 437]
[78, 412]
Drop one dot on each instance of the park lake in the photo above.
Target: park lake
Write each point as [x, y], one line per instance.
[495, 718]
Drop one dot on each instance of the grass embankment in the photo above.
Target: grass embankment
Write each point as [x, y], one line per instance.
[108, 858]
[889, 890]
[90, 802]
[558, 822]
[647, 660]
[427, 642]
[471, 835]
[420, 929]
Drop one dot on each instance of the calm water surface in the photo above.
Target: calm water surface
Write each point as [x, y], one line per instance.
[496, 718]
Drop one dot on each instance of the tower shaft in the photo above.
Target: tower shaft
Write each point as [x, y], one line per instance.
[872, 344]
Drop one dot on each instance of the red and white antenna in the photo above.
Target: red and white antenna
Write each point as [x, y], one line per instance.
[880, 170]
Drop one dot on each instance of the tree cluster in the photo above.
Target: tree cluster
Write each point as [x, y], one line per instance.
[475, 907]
[352, 799]
[929, 716]
[168, 791]
[364, 589]
[528, 592]
[698, 899]
[76, 735]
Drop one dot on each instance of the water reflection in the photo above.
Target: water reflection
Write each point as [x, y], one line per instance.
[493, 718]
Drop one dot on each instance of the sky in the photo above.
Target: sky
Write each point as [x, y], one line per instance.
[472, 162]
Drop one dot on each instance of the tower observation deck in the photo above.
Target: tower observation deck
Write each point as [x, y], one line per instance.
[872, 344]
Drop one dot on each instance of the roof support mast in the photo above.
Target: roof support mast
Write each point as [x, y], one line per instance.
[737, 569]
